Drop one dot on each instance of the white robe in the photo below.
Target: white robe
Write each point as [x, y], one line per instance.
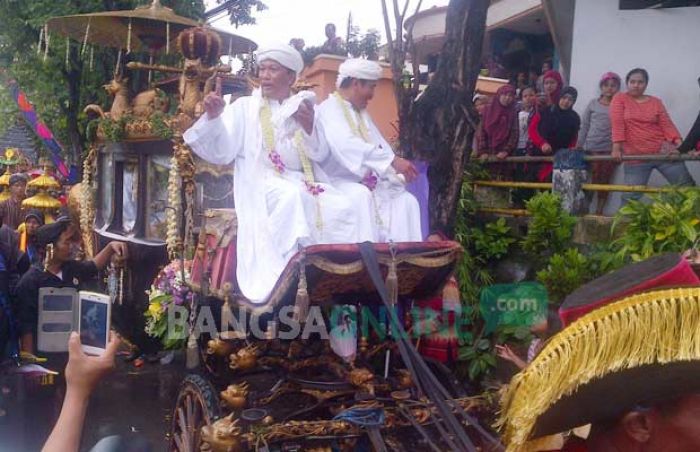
[351, 158]
[276, 213]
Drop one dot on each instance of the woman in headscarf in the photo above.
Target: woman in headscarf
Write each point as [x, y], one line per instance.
[59, 242]
[552, 84]
[555, 128]
[596, 133]
[497, 134]
[33, 220]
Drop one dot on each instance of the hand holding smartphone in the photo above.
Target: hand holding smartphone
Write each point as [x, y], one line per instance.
[94, 322]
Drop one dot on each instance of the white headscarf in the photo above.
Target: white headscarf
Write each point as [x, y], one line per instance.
[284, 54]
[359, 69]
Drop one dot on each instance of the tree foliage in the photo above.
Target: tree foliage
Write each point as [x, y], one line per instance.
[240, 11]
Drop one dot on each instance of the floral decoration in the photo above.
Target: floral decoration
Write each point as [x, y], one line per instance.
[169, 290]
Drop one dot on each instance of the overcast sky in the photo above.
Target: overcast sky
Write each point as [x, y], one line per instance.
[306, 19]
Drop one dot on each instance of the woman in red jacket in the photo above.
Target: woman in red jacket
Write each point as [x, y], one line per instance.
[641, 125]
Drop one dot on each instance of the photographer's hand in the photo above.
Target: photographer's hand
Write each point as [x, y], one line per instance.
[83, 372]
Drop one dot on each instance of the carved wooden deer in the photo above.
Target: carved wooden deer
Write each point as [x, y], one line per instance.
[119, 88]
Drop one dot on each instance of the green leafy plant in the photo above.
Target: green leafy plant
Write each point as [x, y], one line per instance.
[564, 274]
[550, 229]
[493, 241]
[670, 223]
[160, 126]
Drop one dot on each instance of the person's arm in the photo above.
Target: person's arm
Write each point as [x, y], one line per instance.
[313, 143]
[218, 140]
[347, 149]
[82, 375]
[534, 133]
[505, 352]
[671, 133]
[617, 119]
[693, 137]
[102, 258]
[585, 126]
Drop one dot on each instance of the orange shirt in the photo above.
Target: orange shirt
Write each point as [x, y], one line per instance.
[641, 127]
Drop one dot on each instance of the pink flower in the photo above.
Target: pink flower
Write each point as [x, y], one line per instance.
[314, 189]
[370, 180]
[276, 160]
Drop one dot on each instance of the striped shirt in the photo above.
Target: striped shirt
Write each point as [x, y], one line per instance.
[643, 127]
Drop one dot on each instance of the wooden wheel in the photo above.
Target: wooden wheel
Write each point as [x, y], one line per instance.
[197, 405]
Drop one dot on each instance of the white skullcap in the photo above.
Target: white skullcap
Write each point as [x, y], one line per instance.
[359, 69]
[284, 54]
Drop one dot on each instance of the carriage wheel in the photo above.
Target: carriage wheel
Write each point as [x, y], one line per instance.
[197, 405]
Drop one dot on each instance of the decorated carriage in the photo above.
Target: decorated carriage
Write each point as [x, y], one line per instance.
[276, 379]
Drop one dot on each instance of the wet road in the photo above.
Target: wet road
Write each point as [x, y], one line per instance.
[130, 401]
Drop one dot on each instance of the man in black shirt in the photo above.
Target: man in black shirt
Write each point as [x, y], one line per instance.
[59, 241]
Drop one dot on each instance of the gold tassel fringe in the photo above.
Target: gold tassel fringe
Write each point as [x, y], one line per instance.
[301, 304]
[654, 327]
[392, 282]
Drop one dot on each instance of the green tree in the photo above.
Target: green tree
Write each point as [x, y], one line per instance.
[240, 11]
[61, 84]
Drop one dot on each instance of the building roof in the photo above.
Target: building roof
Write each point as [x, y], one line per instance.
[20, 136]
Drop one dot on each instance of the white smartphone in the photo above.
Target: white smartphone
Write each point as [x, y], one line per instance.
[94, 321]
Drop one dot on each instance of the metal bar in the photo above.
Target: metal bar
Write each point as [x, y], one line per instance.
[587, 187]
[503, 211]
[525, 213]
[596, 158]
[513, 184]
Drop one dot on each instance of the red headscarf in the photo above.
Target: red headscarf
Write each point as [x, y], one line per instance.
[555, 75]
[498, 120]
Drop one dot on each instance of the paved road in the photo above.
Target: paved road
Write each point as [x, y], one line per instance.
[129, 401]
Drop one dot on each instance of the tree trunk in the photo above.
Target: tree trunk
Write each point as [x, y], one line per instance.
[445, 112]
[73, 76]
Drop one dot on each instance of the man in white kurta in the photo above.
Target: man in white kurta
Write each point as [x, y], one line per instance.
[359, 154]
[281, 199]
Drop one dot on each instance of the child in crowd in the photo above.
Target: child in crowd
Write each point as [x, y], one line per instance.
[555, 131]
[596, 134]
[542, 329]
[555, 128]
[497, 134]
[525, 171]
[480, 101]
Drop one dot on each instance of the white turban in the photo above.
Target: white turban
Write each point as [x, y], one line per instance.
[284, 54]
[359, 69]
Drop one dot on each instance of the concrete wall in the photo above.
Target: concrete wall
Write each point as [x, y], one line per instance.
[324, 72]
[663, 41]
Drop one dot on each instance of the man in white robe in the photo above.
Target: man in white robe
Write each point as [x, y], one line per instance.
[359, 154]
[281, 199]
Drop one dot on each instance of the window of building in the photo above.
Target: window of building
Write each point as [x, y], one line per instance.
[655, 4]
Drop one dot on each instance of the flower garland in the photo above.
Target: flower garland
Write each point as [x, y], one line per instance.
[172, 234]
[87, 202]
[268, 133]
[359, 129]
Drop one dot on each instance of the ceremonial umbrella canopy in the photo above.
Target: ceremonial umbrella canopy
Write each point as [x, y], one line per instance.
[146, 28]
